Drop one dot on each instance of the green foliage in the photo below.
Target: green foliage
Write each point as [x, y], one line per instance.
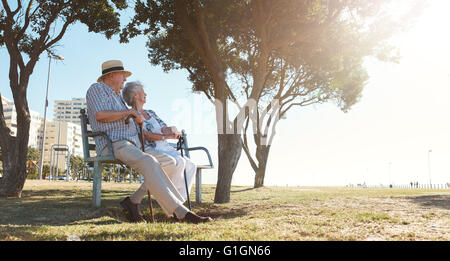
[76, 164]
[318, 45]
[45, 171]
[32, 23]
[33, 158]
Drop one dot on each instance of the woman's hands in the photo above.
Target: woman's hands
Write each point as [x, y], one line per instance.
[166, 133]
[170, 132]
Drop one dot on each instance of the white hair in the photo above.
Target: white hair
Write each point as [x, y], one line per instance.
[131, 88]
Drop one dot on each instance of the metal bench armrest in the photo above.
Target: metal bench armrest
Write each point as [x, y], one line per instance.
[205, 150]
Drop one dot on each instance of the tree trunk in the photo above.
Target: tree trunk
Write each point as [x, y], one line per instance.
[14, 169]
[16, 148]
[229, 152]
[262, 154]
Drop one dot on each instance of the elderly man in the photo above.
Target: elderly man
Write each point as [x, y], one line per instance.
[107, 112]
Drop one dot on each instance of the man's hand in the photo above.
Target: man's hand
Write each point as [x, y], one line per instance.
[138, 117]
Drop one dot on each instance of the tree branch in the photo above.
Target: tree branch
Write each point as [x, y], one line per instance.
[27, 19]
[60, 35]
[246, 149]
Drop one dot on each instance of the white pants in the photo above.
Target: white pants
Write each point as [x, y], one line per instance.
[174, 166]
[152, 167]
[177, 176]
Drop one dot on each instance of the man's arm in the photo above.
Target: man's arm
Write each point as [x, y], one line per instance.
[111, 116]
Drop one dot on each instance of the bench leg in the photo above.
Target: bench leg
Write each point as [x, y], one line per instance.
[97, 184]
[198, 186]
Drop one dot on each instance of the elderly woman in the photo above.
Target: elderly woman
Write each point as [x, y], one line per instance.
[156, 132]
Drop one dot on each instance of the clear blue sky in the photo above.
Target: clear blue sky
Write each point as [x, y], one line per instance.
[403, 113]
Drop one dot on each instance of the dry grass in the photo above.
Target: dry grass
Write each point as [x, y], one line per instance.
[61, 211]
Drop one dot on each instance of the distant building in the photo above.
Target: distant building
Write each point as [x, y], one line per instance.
[59, 132]
[64, 130]
[69, 110]
[36, 124]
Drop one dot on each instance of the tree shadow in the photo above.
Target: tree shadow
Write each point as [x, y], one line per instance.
[218, 212]
[440, 201]
[56, 207]
[159, 235]
[62, 207]
[241, 190]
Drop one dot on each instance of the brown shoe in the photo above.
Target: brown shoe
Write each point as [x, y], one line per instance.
[191, 217]
[133, 210]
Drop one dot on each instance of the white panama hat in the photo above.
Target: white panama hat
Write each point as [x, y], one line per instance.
[112, 66]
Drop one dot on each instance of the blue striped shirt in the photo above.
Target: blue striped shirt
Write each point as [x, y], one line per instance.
[101, 97]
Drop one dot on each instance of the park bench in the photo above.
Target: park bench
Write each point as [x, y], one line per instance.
[97, 161]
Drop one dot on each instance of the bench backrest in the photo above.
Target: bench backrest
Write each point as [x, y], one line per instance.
[84, 131]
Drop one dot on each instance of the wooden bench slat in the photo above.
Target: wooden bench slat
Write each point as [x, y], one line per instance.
[91, 146]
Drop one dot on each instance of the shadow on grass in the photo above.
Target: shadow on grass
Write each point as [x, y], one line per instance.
[27, 233]
[440, 201]
[241, 190]
[61, 207]
[148, 236]
[56, 207]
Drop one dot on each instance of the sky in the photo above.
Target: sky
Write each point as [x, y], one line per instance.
[383, 139]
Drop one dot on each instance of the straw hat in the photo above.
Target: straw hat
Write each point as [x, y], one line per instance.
[112, 66]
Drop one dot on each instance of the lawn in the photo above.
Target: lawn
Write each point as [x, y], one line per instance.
[58, 210]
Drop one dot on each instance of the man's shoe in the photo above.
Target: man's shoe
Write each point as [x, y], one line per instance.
[133, 210]
[191, 217]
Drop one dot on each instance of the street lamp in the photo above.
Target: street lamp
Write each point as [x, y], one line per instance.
[429, 166]
[56, 57]
[389, 174]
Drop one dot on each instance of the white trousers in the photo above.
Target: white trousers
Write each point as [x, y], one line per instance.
[177, 176]
[173, 165]
[152, 165]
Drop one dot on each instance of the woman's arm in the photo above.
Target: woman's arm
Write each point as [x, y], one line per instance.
[150, 136]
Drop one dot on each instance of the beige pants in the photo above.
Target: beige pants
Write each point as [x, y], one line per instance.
[152, 165]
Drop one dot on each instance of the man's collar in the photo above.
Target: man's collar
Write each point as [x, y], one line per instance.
[109, 88]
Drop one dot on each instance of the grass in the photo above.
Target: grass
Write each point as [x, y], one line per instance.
[62, 211]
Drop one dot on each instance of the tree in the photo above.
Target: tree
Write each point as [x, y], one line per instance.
[309, 52]
[33, 156]
[28, 29]
[76, 165]
[263, 57]
[45, 171]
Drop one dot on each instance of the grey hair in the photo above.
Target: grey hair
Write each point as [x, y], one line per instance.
[129, 91]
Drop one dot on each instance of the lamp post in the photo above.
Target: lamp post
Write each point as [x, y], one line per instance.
[389, 174]
[429, 166]
[56, 57]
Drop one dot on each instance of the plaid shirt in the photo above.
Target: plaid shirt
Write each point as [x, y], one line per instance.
[101, 97]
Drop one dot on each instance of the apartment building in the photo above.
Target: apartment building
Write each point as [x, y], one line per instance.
[69, 110]
[36, 124]
[64, 130]
[66, 133]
